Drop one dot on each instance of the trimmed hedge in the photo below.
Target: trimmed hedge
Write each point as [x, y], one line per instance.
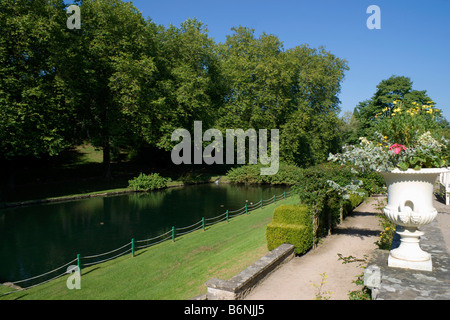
[290, 224]
[351, 203]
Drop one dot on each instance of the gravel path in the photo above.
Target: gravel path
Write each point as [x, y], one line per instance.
[296, 279]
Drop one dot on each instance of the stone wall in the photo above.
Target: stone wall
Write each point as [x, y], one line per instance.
[241, 284]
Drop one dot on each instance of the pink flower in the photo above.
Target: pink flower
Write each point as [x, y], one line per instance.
[397, 148]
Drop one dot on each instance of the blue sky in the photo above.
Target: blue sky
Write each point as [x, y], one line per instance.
[414, 39]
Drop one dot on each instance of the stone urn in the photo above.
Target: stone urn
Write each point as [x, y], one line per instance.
[410, 206]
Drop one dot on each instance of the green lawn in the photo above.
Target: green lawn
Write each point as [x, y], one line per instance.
[170, 270]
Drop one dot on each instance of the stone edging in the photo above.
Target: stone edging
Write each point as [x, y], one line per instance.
[241, 284]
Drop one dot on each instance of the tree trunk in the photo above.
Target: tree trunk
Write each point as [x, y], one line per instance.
[107, 159]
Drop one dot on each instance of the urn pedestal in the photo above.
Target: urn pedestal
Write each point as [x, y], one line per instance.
[410, 205]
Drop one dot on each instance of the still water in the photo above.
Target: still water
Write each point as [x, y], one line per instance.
[37, 239]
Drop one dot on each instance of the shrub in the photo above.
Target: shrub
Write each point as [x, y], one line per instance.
[248, 174]
[290, 224]
[387, 235]
[251, 174]
[149, 182]
[373, 182]
[355, 200]
[324, 201]
[351, 203]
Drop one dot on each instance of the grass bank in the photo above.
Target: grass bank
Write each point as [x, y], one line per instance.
[170, 270]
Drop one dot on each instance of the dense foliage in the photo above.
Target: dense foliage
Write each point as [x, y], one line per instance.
[290, 224]
[397, 128]
[383, 155]
[396, 111]
[149, 182]
[395, 100]
[34, 109]
[329, 190]
[123, 82]
[251, 174]
[323, 200]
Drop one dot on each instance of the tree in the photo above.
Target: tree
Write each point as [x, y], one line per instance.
[34, 110]
[109, 70]
[294, 91]
[257, 81]
[310, 132]
[370, 113]
[348, 126]
[188, 83]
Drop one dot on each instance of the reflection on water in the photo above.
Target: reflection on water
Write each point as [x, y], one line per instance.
[36, 239]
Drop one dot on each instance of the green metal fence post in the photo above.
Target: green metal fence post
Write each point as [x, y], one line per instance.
[227, 215]
[273, 198]
[132, 247]
[173, 234]
[284, 195]
[203, 223]
[79, 263]
[246, 211]
[261, 202]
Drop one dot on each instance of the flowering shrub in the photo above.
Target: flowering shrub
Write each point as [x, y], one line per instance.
[397, 148]
[406, 120]
[383, 155]
[387, 235]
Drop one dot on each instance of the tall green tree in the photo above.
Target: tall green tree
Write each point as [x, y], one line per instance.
[109, 70]
[311, 131]
[257, 81]
[34, 109]
[292, 90]
[188, 85]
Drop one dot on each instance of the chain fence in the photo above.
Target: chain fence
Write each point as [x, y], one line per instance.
[131, 247]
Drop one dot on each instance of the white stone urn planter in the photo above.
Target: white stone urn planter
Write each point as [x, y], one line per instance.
[410, 205]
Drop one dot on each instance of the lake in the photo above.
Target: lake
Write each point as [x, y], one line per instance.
[40, 238]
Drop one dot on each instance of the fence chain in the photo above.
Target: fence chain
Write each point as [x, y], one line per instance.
[225, 216]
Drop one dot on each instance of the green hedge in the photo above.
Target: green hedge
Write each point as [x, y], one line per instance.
[290, 224]
[351, 203]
